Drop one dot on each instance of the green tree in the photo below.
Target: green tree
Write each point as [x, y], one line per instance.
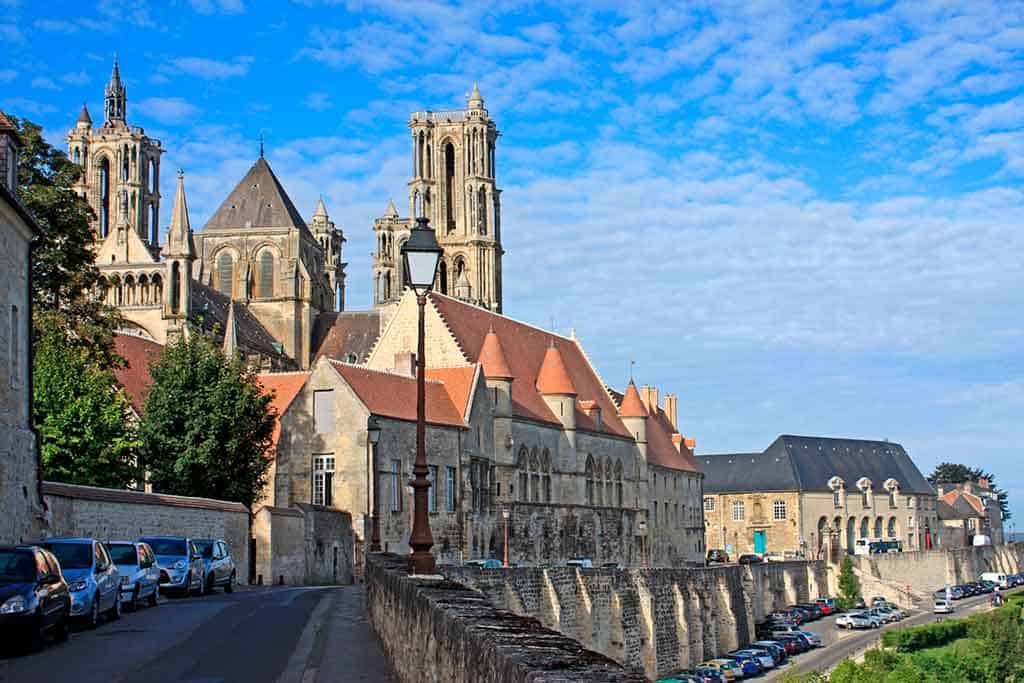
[207, 426]
[955, 473]
[849, 585]
[87, 435]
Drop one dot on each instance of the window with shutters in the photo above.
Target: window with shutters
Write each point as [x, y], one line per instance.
[265, 283]
[323, 411]
[225, 273]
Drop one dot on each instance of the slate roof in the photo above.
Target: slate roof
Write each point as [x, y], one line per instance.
[335, 335]
[806, 463]
[960, 509]
[210, 312]
[135, 379]
[258, 201]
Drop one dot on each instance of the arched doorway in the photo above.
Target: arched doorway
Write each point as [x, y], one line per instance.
[850, 534]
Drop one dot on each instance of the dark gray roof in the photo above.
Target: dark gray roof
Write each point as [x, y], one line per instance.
[960, 509]
[209, 310]
[806, 463]
[258, 201]
[336, 335]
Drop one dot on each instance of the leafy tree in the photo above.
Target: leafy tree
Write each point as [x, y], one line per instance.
[207, 426]
[954, 473]
[86, 433]
[64, 272]
[849, 585]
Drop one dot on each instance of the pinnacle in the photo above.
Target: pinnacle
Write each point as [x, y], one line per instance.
[392, 211]
[321, 209]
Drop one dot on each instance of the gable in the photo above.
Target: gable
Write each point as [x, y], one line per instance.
[258, 201]
[132, 251]
[399, 337]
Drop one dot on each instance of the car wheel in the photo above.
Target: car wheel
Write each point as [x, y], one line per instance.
[61, 629]
[209, 584]
[93, 619]
[153, 597]
[115, 611]
[230, 587]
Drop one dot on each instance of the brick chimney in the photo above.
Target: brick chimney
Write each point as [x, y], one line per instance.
[671, 410]
[405, 364]
[940, 489]
[649, 396]
[983, 484]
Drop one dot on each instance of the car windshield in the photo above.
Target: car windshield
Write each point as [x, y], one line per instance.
[205, 549]
[17, 566]
[71, 555]
[123, 553]
[166, 546]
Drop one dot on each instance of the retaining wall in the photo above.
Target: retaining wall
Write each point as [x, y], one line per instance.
[435, 630]
[303, 545]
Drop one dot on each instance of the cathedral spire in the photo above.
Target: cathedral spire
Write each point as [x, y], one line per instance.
[321, 209]
[179, 235]
[476, 100]
[230, 332]
[392, 211]
[115, 96]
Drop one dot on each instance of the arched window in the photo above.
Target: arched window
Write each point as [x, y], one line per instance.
[739, 511]
[598, 483]
[851, 534]
[864, 527]
[878, 527]
[545, 466]
[129, 290]
[265, 282]
[124, 163]
[481, 211]
[779, 510]
[618, 482]
[420, 154]
[449, 187]
[158, 288]
[154, 224]
[77, 155]
[891, 531]
[104, 188]
[524, 475]
[534, 476]
[175, 286]
[152, 176]
[225, 273]
[609, 491]
[589, 474]
[143, 290]
[442, 277]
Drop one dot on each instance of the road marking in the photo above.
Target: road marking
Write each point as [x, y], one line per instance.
[299, 668]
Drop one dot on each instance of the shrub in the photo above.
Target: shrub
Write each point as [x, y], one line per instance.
[928, 635]
[849, 585]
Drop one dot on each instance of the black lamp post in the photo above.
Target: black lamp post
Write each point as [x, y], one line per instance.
[421, 254]
[372, 438]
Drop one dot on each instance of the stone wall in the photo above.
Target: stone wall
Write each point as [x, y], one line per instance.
[303, 545]
[111, 514]
[462, 638]
[652, 621]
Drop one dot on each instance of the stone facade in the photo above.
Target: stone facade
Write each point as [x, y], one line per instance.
[303, 545]
[766, 523]
[19, 459]
[453, 185]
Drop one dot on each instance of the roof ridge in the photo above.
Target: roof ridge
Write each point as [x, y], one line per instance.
[447, 326]
[506, 317]
[391, 371]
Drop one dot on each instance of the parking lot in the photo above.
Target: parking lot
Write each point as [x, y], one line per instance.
[256, 634]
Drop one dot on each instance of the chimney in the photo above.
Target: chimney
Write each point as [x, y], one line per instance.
[969, 487]
[677, 441]
[649, 397]
[983, 483]
[405, 364]
[671, 408]
[940, 489]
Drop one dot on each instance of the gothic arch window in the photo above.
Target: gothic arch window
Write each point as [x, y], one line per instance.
[481, 211]
[387, 286]
[143, 286]
[588, 472]
[265, 279]
[534, 476]
[449, 187]
[878, 527]
[545, 466]
[430, 160]
[175, 287]
[864, 527]
[420, 154]
[129, 290]
[225, 273]
[152, 176]
[76, 155]
[618, 483]
[608, 485]
[524, 475]
[104, 190]
[157, 286]
[124, 163]
[442, 277]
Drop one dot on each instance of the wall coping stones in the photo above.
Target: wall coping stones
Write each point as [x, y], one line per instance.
[52, 488]
[493, 644]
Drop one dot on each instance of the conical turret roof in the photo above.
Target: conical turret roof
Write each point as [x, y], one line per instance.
[475, 98]
[258, 201]
[553, 378]
[321, 209]
[391, 211]
[492, 358]
[83, 116]
[179, 234]
[632, 406]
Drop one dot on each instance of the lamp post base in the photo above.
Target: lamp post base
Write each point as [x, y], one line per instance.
[422, 563]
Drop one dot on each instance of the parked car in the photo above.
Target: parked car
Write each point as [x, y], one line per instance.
[828, 606]
[790, 640]
[776, 649]
[814, 638]
[181, 565]
[34, 597]
[813, 609]
[709, 675]
[483, 564]
[140, 573]
[93, 580]
[680, 677]
[716, 555]
[856, 620]
[218, 567]
[763, 658]
[749, 665]
[878, 601]
[943, 607]
[727, 667]
[582, 562]
[750, 559]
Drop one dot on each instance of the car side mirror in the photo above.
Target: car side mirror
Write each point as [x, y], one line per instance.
[197, 556]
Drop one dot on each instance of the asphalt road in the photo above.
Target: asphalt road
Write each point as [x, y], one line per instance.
[276, 635]
[839, 644]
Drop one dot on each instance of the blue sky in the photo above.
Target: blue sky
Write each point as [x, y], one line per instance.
[802, 218]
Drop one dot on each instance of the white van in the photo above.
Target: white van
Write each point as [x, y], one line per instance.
[996, 577]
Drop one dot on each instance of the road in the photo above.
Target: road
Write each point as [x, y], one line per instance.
[255, 635]
[839, 644]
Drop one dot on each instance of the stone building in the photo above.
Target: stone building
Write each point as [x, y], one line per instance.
[978, 508]
[815, 496]
[453, 184]
[256, 265]
[19, 459]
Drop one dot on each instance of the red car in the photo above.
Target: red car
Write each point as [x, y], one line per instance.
[827, 605]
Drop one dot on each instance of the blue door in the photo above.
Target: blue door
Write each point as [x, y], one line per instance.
[760, 542]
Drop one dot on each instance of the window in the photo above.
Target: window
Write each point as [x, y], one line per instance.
[265, 288]
[837, 500]
[449, 489]
[779, 510]
[589, 474]
[618, 482]
[323, 411]
[654, 514]
[738, 511]
[709, 504]
[15, 347]
[432, 491]
[323, 480]
[396, 485]
[225, 273]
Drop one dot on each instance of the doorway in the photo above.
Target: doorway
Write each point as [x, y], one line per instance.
[760, 542]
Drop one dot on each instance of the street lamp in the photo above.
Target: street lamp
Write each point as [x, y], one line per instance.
[373, 437]
[420, 255]
[506, 513]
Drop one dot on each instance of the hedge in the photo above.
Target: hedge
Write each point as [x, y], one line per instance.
[915, 638]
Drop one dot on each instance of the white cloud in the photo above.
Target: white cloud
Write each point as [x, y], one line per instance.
[215, 6]
[76, 78]
[19, 106]
[167, 109]
[318, 101]
[42, 83]
[210, 69]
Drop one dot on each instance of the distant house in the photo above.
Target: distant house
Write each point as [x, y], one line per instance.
[978, 508]
[815, 496]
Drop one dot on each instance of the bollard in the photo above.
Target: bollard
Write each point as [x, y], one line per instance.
[259, 579]
[280, 580]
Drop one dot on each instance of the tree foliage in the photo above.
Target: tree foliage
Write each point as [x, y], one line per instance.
[86, 433]
[849, 585]
[955, 473]
[207, 426]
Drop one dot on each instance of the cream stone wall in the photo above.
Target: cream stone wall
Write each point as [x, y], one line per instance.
[400, 334]
[737, 536]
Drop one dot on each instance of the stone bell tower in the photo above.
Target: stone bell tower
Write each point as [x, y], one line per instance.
[453, 184]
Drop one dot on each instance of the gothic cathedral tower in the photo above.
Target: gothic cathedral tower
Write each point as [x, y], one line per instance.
[453, 185]
[121, 178]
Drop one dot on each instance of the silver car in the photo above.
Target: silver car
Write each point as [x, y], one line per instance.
[93, 580]
[218, 567]
[140, 573]
[181, 565]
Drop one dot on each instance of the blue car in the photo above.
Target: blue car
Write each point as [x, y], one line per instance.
[92, 577]
[748, 664]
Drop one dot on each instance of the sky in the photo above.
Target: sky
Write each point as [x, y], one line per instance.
[802, 218]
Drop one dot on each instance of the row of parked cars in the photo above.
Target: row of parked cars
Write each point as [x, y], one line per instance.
[47, 585]
[880, 613]
[779, 638]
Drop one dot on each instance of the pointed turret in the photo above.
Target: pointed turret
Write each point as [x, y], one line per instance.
[476, 101]
[558, 390]
[179, 235]
[115, 96]
[492, 358]
[230, 346]
[499, 377]
[180, 251]
[84, 120]
[634, 416]
[321, 209]
[392, 210]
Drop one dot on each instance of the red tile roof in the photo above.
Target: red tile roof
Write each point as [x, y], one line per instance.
[553, 378]
[135, 378]
[661, 447]
[285, 386]
[492, 357]
[632, 406]
[974, 501]
[458, 383]
[525, 347]
[390, 395]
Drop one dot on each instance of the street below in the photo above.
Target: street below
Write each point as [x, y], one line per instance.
[258, 634]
